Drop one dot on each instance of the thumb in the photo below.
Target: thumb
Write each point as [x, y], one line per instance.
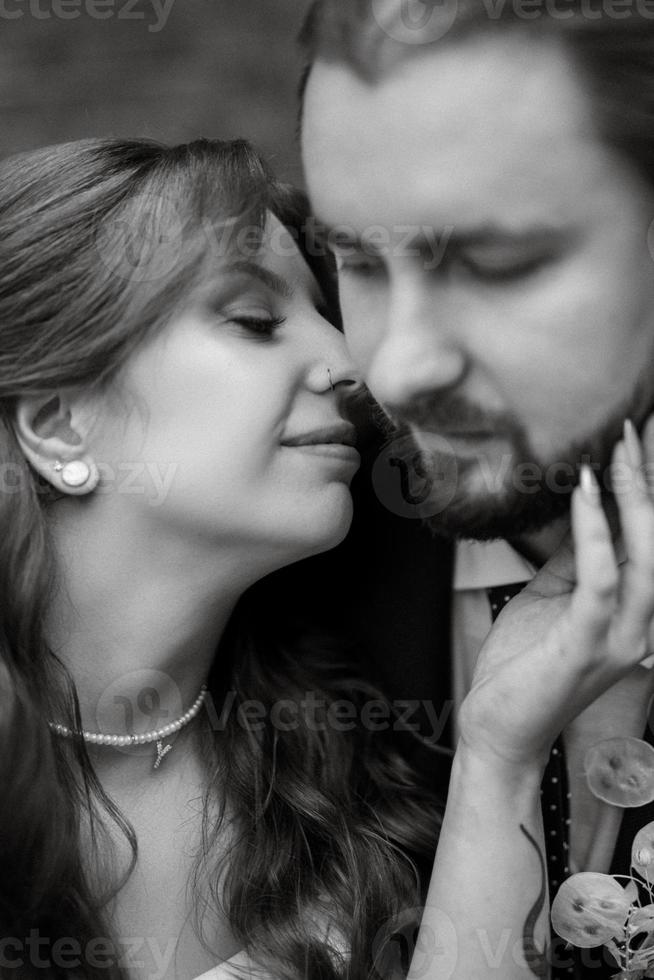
[558, 575]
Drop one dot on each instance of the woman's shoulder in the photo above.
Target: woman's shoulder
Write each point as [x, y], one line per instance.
[239, 967]
[242, 966]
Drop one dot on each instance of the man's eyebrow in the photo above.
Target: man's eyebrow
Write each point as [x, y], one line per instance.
[498, 235]
[422, 238]
[270, 279]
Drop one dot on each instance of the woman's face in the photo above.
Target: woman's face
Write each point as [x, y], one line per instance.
[203, 443]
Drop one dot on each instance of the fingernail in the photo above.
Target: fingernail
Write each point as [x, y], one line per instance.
[632, 445]
[589, 485]
[648, 435]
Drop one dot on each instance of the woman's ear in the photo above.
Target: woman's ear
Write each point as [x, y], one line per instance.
[52, 435]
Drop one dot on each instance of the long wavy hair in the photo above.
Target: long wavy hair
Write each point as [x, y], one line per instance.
[101, 241]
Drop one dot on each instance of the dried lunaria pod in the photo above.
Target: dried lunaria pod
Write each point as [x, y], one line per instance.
[593, 909]
[620, 771]
[590, 909]
[642, 852]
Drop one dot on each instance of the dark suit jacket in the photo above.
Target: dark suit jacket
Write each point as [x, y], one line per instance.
[389, 587]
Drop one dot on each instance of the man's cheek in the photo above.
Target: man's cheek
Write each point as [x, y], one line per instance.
[361, 343]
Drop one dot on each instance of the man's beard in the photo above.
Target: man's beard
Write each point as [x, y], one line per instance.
[506, 510]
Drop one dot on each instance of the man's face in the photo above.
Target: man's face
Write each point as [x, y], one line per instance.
[495, 276]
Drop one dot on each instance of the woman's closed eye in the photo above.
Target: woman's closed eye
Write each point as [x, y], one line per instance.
[262, 325]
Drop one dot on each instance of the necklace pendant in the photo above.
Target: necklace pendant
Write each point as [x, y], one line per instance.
[161, 753]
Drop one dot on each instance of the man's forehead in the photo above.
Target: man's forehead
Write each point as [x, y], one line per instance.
[513, 72]
[474, 117]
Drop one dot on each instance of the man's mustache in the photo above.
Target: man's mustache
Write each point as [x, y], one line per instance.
[451, 412]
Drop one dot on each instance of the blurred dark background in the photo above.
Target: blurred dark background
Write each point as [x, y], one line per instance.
[171, 70]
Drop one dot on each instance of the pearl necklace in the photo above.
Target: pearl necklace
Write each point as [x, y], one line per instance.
[122, 741]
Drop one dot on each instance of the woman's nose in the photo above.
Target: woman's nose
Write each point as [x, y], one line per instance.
[335, 369]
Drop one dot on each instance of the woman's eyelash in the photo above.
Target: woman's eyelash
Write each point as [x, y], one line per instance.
[261, 325]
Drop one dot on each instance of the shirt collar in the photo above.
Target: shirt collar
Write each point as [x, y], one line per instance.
[487, 564]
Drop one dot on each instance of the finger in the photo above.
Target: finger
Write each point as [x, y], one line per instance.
[559, 574]
[636, 513]
[594, 599]
[648, 453]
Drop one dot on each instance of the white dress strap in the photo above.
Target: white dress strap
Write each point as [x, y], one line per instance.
[239, 967]
[242, 967]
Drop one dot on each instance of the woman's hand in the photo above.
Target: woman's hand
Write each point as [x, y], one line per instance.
[579, 626]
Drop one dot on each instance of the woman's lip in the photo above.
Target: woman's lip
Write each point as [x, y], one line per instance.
[334, 450]
[337, 434]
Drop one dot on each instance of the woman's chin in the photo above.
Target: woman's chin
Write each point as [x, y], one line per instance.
[326, 525]
[339, 530]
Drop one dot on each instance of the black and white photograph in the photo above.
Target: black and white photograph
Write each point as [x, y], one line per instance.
[326, 489]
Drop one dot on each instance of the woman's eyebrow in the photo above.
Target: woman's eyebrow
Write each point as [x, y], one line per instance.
[270, 279]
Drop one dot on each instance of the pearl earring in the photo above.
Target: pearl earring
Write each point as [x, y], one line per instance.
[73, 474]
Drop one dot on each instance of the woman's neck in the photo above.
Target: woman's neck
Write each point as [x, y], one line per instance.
[137, 618]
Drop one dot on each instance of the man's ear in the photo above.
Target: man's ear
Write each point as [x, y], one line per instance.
[51, 434]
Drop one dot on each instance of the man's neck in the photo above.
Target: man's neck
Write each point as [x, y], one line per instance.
[539, 546]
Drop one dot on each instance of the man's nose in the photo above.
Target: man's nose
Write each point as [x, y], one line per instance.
[414, 358]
